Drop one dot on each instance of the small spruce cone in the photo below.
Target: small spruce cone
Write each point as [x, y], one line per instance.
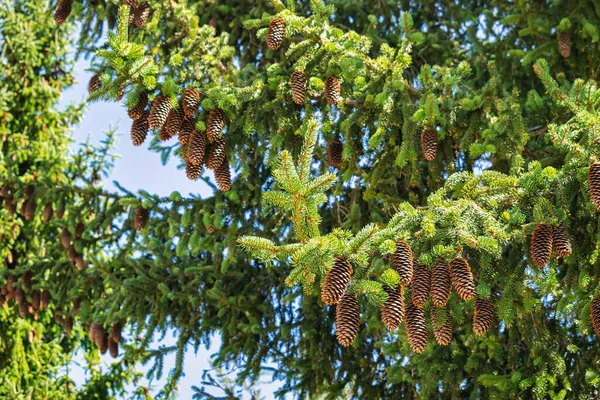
[139, 129]
[347, 319]
[142, 12]
[65, 238]
[541, 244]
[560, 241]
[44, 299]
[79, 262]
[594, 184]
[564, 44]
[483, 315]
[215, 123]
[197, 148]
[193, 171]
[10, 204]
[113, 348]
[99, 337]
[137, 111]
[440, 283]
[28, 209]
[69, 325]
[298, 83]
[442, 330]
[420, 285]
[416, 327]
[334, 153]
[595, 314]
[429, 143]
[402, 262]
[223, 177]
[94, 84]
[141, 218]
[72, 254]
[48, 213]
[336, 281]
[35, 300]
[276, 33]
[218, 154]
[60, 213]
[333, 90]
[159, 112]
[26, 278]
[79, 229]
[185, 132]
[174, 121]
[116, 331]
[62, 12]
[23, 309]
[19, 295]
[462, 278]
[190, 101]
[392, 312]
[77, 305]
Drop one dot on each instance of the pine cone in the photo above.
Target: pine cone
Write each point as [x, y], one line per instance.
[564, 44]
[416, 327]
[28, 191]
[47, 213]
[142, 12]
[334, 153]
[113, 348]
[139, 129]
[19, 295]
[62, 12]
[560, 241]
[215, 123]
[141, 218]
[79, 230]
[336, 281]
[193, 171]
[77, 305]
[298, 83]
[223, 177]
[174, 121]
[392, 312]
[94, 84]
[420, 285]
[462, 278]
[402, 262]
[28, 209]
[541, 244]
[595, 314]
[79, 262]
[138, 110]
[333, 90]
[26, 278]
[483, 316]
[116, 332]
[23, 309]
[60, 213]
[276, 33]
[197, 148]
[10, 205]
[187, 127]
[65, 238]
[429, 143]
[218, 154]
[442, 329]
[440, 283]
[159, 112]
[69, 325]
[190, 101]
[99, 337]
[347, 319]
[594, 184]
[163, 135]
[35, 300]
[44, 299]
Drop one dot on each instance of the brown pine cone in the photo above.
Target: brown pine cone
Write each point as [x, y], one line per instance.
[392, 312]
[462, 278]
[276, 33]
[541, 244]
[336, 281]
[440, 283]
[347, 319]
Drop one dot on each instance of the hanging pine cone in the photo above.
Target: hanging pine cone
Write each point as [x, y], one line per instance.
[28, 209]
[416, 327]
[334, 152]
[19, 295]
[429, 143]
[141, 218]
[139, 129]
[541, 244]
[116, 332]
[142, 12]
[62, 12]
[462, 278]
[65, 238]
[187, 127]
[402, 262]
[79, 262]
[79, 230]
[564, 44]
[159, 112]
[23, 309]
[28, 191]
[392, 312]
[190, 101]
[10, 205]
[197, 148]
[442, 327]
[223, 177]
[174, 121]
[594, 184]
[276, 33]
[26, 278]
[333, 90]
[77, 305]
[35, 300]
[69, 325]
[560, 241]
[298, 83]
[60, 213]
[136, 112]
[440, 283]
[44, 299]
[420, 284]
[218, 154]
[113, 348]
[47, 213]
[94, 84]
[163, 135]
[347, 319]
[336, 281]
[483, 316]
[193, 171]
[215, 123]
[99, 337]
[595, 314]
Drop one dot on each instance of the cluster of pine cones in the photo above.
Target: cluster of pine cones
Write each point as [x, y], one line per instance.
[547, 239]
[423, 283]
[103, 340]
[29, 300]
[138, 14]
